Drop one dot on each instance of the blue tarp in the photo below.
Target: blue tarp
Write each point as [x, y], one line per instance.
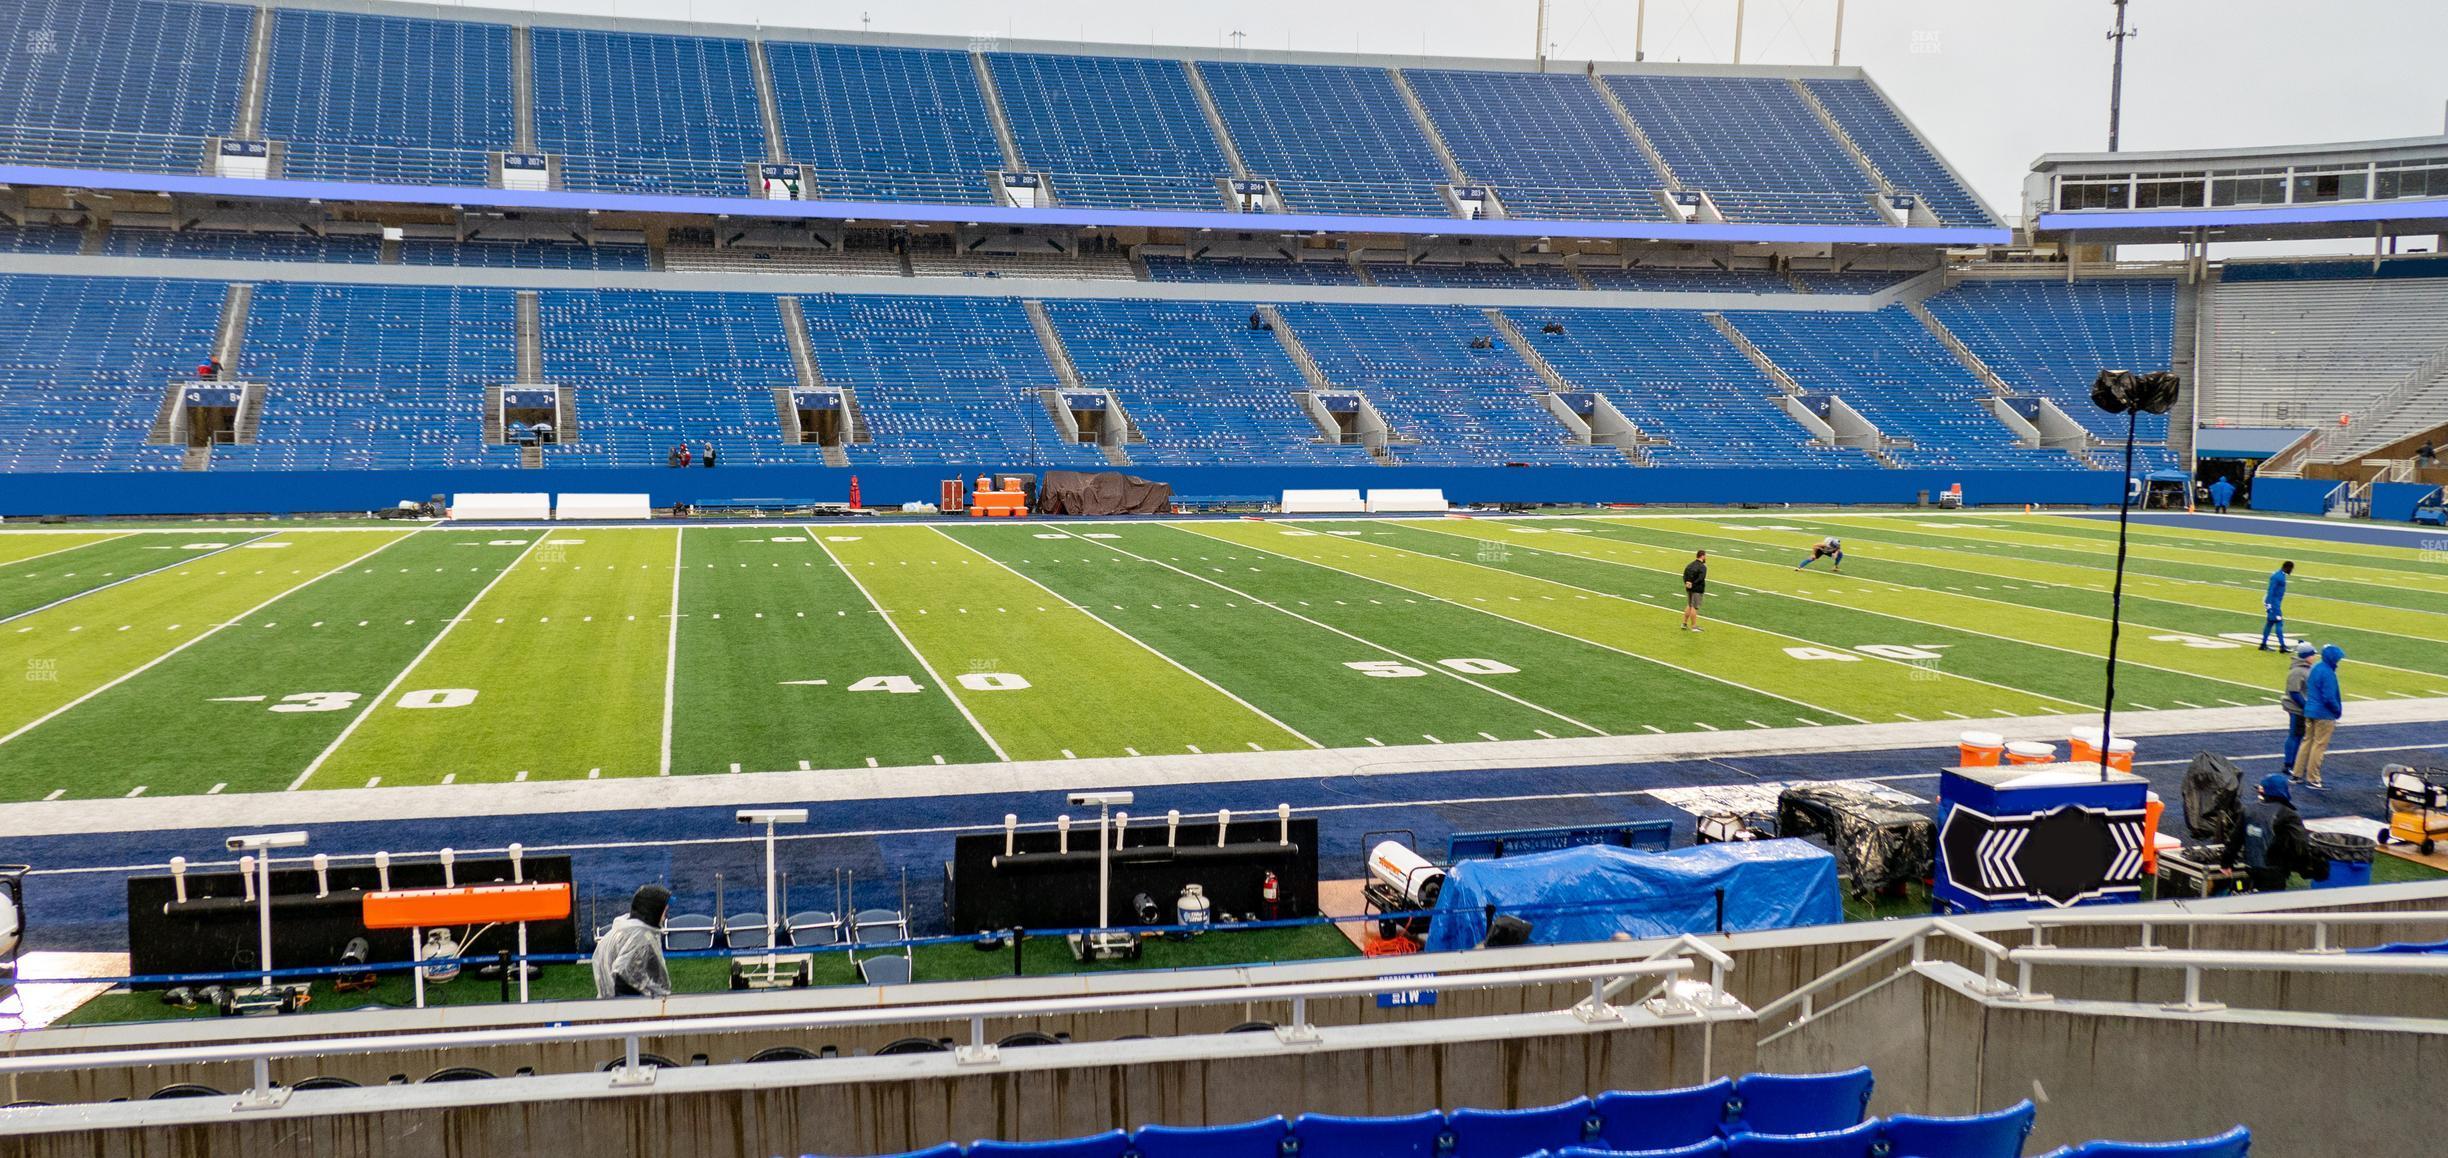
[1594, 892]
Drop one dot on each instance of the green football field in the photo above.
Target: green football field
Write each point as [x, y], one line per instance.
[162, 663]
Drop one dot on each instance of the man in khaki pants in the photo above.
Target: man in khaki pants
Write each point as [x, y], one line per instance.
[2324, 703]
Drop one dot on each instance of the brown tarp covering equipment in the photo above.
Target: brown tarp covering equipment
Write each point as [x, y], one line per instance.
[1068, 492]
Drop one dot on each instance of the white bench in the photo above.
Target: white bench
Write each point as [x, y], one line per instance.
[592, 507]
[1324, 503]
[501, 507]
[1383, 502]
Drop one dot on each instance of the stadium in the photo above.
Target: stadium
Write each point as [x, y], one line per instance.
[598, 583]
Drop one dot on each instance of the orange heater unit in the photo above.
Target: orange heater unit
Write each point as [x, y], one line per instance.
[467, 905]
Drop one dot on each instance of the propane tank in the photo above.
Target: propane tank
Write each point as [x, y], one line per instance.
[440, 946]
[1406, 872]
[1270, 899]
[1193, 911]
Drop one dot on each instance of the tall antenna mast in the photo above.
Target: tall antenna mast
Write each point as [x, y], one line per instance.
[2116, 75]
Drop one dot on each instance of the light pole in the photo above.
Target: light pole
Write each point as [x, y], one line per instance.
[261, 844]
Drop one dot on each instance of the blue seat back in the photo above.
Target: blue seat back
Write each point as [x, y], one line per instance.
[1335, 1136]
[1110, 1144]
[2232, 1144]
[1800, 1103]
[1710, 1148]
[1516, 1133]
[1857, 1141]
[944, 1150]
[1993, 1135]
[1635, 1120]
[1263, 1138]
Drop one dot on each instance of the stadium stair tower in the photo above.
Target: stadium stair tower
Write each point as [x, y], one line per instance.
[174, 424]
[1586, 415]
[768, 111]
[2184, 358]
[1920, 214]
[1361, 423]
[2036, 421]
[1013, 162]
[1667, 197]
[1436, 140]
[1103, 420]
[1830, 420]
[811, 377]
[1268, 201]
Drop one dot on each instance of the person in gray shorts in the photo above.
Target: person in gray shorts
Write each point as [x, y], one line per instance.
[1695, 586]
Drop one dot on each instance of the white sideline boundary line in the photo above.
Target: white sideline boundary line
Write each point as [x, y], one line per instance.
[911, 648]
[1074, 604]
[207, 633]
[66, 599]
[641, 793]
[413, 664]
[1421, 663]
[1493, 614]
[2132, 623]
[671, 647]
[2121, 660]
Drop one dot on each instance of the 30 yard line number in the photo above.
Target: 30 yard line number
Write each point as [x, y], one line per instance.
[336, 701]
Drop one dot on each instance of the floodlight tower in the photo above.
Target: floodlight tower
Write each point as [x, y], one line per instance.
[2116, 74]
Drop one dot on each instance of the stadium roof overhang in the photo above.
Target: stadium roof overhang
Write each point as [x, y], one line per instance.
[2351, 189]
[2253, 223]
[883, 213]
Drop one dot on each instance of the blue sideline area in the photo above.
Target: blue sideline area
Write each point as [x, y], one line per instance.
[292, 492]
[77, 897]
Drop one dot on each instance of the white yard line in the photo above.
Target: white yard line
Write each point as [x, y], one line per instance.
[430, 645]
[671, 649]
[1651, 660]
[138, 575]
[912, 648]
[69, 547]
[201, 636]
[1420, 663]
[1254, 709]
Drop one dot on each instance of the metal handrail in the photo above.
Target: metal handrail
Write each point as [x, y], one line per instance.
[2319, 923]
[2195, 962]
[980, 1049]
[1917, 938]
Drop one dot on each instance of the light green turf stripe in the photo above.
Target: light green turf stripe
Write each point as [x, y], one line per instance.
[15, 549]
[1090, 691]
[2099, 567]
[772, 637]
[2143, 638]
[2374, 553]
[1294, 667]
[2038, 644]
[52, 658]
[565, 655]
[1749, 659]
[2371, 586]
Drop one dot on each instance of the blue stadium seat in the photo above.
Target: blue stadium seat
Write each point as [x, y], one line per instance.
[361, 97]
[1901, 155]
[885, 124]
[1659, 1119]
[1110, 1144]
[1335, 140]
[1112, 132]
[1333, 1136]
[1800, 1103]
[1515, 1133]
[1546, 141]
[1263, 1138]
[647, 113]
[84, 363]
[120, 84]
[1993, 1135]
[1753, 145]
[2051, 338]
[1859, 1141]
[1706, 1148]
[2235, 1143]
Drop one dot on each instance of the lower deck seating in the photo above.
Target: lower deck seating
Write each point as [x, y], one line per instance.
[649, 369]
[1204, 387]
[363, 377]
[941, 379]
[85, 362]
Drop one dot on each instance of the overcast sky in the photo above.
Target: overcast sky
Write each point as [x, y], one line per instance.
[1995, 82]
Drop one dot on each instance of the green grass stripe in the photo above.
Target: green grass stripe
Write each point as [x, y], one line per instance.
[21, 546]
[2362, 585]
[2396, 564]
[2194, 631]
[566, 657]
[1736, 655]
[2047, 653]
[1582, 680]
[51, 658]
[2159, 580]
[1293, 670]
[308, 662]
[1091, 692]
[47, 579]
[763, 611]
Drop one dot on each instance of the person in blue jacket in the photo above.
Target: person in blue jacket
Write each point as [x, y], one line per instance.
[2299, 673]
[2222, 492]
[2324, 704]
[2273, 601]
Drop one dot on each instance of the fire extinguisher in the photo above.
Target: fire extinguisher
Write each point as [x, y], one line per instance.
[1270, 899]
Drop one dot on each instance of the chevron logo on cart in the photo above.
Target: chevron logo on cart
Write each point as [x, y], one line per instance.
[2064, 856]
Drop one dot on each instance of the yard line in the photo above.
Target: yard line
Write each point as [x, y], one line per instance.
[1436, 668]
[1177, 664]
[906, 645]
[1549, 630]
[201, 636]
[402, 677]
[671, 650]
[69, 547]
[132, 578]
